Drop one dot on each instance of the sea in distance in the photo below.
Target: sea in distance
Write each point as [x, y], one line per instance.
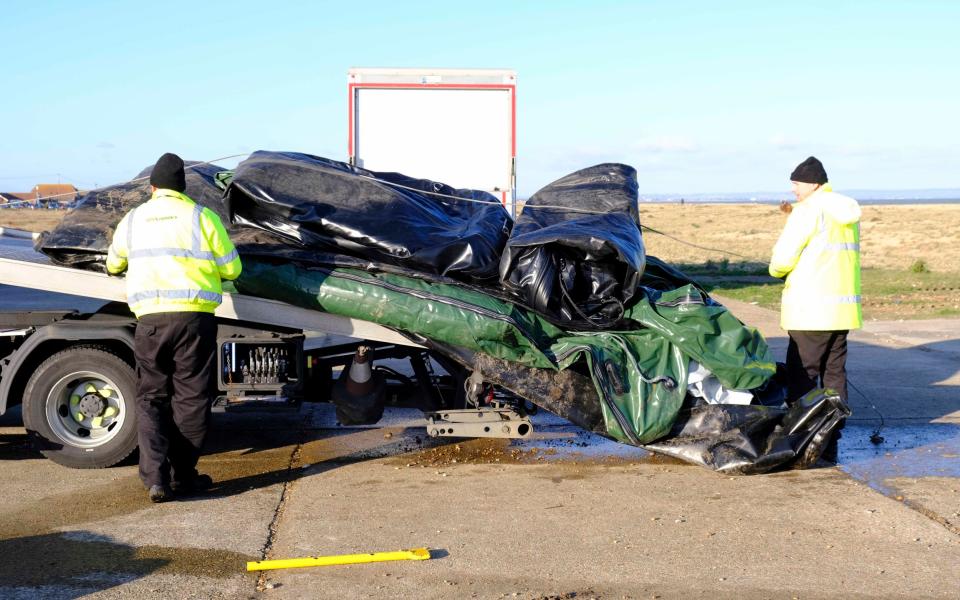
[936, 196]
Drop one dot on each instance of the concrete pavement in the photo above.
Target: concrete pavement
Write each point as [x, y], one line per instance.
[565, 515]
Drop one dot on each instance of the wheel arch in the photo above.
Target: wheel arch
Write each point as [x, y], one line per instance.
[50, 339]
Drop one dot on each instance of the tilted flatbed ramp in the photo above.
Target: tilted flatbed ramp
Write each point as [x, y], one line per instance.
[22, 267]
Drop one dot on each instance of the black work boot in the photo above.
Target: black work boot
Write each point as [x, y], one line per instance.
[160, 493]
[198, 483]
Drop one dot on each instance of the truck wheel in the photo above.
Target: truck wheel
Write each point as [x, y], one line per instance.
[78, 407]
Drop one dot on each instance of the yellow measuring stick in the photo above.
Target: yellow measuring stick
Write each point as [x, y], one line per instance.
[341, 559]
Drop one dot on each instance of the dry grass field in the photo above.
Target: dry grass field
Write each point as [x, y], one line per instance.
[892, 237]
[910, 253]
[31, 220]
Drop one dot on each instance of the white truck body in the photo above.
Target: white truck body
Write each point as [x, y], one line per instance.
[455, 126]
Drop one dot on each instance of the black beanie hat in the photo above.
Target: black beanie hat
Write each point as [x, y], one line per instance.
[810, 171]
[168, 173]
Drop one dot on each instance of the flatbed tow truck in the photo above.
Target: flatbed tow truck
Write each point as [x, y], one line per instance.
[70, 363]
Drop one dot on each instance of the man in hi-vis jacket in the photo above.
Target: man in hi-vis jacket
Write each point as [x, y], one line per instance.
[819, 254]
[176, 253]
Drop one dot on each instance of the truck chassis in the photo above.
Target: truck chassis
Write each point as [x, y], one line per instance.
[73, 371]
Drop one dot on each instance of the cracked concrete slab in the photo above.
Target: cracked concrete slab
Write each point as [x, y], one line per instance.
[633, 529]
[563, 515]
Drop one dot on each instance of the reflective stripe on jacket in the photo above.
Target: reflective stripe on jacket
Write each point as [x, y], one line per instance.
[175, 252]
[819, 252]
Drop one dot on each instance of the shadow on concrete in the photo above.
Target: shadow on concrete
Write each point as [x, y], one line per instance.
[16, 446]
[78, 563]
[904, 384]
[253, 450]
[70, 565]
[252, 432]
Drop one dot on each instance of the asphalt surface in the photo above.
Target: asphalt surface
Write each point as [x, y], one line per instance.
[563, 515]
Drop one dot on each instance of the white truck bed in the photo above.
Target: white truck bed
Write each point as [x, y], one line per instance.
[22, 267]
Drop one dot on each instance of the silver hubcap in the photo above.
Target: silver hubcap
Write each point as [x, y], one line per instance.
[85, 409]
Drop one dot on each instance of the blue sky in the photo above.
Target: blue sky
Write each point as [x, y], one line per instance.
[698, 96]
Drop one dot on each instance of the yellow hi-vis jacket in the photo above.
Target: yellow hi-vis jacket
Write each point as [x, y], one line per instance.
[175, 253]
[819, 252]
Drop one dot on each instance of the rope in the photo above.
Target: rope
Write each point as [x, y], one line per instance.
[875, 437]
[448, 196]
[564, 208]
[676, 239]
[474, 200]
[194, 165]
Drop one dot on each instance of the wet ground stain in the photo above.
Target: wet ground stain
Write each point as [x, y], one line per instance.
[235, 472]
[555, 444]
[83, 503]
[87, 561]
[928, 450]
[80, 559]
[907, 453]
[77, 505]
[473, 451]
[558, 451]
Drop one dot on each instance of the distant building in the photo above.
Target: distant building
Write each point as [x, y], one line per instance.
[43, 195]
[53, 195]
[18, 199]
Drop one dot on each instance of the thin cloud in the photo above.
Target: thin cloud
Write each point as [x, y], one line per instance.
[782, 142]
[858, 150]
[666, 144]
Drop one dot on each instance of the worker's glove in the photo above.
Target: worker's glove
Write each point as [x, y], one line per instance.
[786, 207]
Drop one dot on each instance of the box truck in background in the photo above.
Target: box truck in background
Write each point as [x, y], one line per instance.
[455, 126]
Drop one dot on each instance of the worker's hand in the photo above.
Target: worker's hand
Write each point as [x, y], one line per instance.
[786, 207]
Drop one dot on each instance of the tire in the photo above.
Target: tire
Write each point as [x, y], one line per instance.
[79, 408]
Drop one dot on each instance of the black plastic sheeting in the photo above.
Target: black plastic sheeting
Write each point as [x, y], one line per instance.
[755, 439]
[325, 205]
[576, 253]
[81, 240]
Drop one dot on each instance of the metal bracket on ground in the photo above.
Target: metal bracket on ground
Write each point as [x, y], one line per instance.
[494, 422]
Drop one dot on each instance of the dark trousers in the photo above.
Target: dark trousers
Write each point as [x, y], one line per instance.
[817, 359]
[176, 354]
